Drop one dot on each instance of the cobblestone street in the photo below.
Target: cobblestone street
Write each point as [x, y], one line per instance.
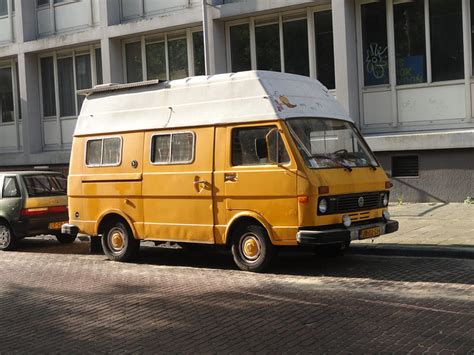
[57, 298]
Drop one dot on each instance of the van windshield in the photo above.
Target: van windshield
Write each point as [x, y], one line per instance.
[328, 143]
[43, 185]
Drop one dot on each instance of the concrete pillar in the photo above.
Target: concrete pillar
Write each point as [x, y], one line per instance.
[30, 103]
[111, 51]
[345, 56]
[26, 22]
[217, 51]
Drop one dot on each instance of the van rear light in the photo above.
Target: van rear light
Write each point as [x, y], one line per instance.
[29, 212]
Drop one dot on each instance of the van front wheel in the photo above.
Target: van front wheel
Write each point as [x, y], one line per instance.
[118, 242]
[252, 249]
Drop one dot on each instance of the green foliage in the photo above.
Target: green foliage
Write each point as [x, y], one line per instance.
[469, 200]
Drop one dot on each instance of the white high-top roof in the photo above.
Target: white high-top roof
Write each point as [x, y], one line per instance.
[251, 96]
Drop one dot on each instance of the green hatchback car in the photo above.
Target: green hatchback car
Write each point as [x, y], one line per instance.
[32, 203]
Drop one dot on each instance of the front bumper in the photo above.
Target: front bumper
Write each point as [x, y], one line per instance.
[342, 235]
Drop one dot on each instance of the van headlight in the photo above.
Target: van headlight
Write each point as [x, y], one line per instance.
[323, 206]
[385, 200]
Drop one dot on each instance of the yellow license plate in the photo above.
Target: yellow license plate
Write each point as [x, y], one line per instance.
[369, 233]
[56, 225]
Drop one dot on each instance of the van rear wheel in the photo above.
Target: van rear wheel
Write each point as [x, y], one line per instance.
[252, 249]
[118, 242]
[7, 238]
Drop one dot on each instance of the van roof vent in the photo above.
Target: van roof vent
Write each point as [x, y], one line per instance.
[116, 87]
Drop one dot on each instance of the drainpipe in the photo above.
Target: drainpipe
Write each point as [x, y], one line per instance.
[205, 35]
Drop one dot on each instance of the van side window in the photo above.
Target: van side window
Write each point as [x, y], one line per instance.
[173, 148]
[249, 146]
[104, 152]
[10, 187]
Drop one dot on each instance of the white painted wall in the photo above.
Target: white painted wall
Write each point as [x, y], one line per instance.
[5, 26]
[8, 136]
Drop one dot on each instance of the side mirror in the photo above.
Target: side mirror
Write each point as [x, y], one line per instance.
[261, 148]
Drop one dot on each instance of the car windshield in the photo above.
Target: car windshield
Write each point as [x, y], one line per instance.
[42, 185]
[329, 143]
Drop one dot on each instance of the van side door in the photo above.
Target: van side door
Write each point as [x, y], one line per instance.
[178, 185]
[253, 182]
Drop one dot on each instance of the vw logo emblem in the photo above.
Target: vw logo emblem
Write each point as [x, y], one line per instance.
[361, 202]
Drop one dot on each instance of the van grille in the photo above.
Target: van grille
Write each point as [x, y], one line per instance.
[354, 203]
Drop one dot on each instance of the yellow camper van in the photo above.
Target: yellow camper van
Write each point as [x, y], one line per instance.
[250, 161]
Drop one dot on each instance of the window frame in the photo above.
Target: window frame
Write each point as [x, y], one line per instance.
[269, 125]
[102, 139]
[13, 65]
[189, 162]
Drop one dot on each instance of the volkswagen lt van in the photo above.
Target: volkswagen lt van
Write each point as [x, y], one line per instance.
[250, 161]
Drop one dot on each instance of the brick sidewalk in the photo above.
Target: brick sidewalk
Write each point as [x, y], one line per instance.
[437, 228]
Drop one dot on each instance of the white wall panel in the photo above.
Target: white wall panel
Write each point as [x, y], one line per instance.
[50, 129]
[377, 108]
[44, 21]
[95, 11]
[8, 136]
[72, 15]
[20, 127]
[67, 130]
[152, 6]
[432, 103]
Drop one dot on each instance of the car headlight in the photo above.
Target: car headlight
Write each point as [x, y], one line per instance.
[386, 215]
[346, 220]
[323, 206]
[385, 200]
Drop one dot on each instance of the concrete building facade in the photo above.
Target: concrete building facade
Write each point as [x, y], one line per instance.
[401, 68]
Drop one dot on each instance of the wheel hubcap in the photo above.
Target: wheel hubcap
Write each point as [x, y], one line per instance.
[250, 247]
[116, 240]
[4, 236]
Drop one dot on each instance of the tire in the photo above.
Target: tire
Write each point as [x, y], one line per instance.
[252, 249]
[7, 238]
[65, 238]
[118, 242]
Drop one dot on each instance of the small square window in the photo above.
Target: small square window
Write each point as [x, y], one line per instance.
[104, 152]
[405, 166]
[174, 148]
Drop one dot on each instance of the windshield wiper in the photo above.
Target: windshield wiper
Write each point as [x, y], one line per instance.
[322, 156]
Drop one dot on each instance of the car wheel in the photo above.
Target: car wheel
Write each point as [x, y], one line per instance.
[65, 238]
[7, 238]
[252, 249]
[118, 242]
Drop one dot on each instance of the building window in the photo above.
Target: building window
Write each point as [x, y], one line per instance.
[104, 152]
[240, 48]
[410, 47]
[6, 96]
[166, 57]
[98, 65]
[267, 37]
[198, 53]
[42, 3]
[446, 30]
[47, 77]
[295, 39]
[405, 166]
[67, 106]
[133, 54]
[173, 148]
[178, 58]
[156, 60]
[374, 43]
[83, 76]
[4, 7]
[74, 72]
[325, 48]
[282, 45]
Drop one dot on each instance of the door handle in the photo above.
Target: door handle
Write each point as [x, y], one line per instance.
[200, 182]
[230, 177]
